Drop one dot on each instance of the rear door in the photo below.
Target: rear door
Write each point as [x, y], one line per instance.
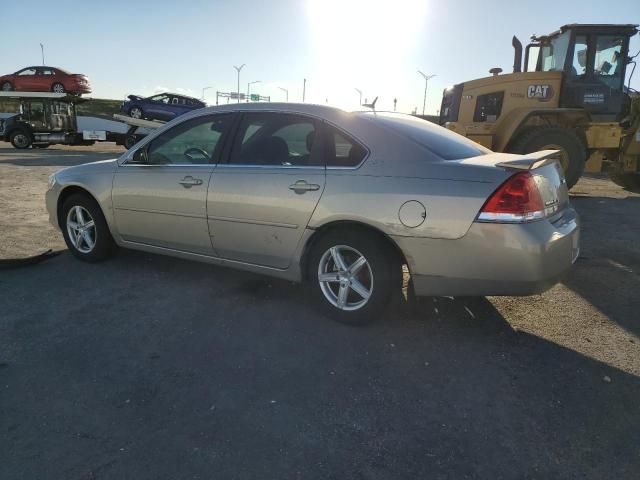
[260, 202]
[163, 201]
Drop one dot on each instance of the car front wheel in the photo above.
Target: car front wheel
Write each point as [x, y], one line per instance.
[6, 87]
[85, 229]
[135, 112]
[351, 276]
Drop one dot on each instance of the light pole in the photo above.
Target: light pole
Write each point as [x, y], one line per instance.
[249, 88]
[203, 90]
[426, 81]
[285, 91]
[359, 93]
[238, 70]
[42, 51]
[304, 89]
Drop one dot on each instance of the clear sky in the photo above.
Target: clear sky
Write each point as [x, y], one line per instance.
[140, 47]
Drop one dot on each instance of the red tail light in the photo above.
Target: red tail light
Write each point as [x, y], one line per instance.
[517, 200]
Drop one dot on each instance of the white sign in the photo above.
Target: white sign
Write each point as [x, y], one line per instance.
[94, 135]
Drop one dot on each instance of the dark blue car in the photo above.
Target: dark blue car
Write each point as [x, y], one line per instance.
[163, 106]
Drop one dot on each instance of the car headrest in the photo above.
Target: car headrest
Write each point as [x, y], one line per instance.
[271, 151]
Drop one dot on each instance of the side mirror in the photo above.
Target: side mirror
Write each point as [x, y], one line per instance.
[140, 157]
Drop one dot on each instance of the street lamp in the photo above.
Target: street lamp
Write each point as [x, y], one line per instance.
[426, 81]
[203, 90]
[42, 51]
[359, 93]
[285, 91]
[249, 88]
[238, 70]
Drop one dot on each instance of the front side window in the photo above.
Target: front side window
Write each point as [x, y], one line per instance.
[192, 142]
[27, 71]
[160, 98]
[554, 54]
[579, 65]
[276, 139]
[609, 63]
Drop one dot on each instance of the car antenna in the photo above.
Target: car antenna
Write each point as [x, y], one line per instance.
[371, 105]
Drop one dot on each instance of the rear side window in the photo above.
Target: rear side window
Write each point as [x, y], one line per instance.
[341, 151]
[442, 142]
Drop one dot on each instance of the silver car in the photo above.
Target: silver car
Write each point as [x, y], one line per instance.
[341, 200]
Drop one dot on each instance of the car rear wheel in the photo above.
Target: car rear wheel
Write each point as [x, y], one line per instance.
[351, 276]
[57, 88]
[135, 112]
[85, 230]
[20, 139]
[6, 87]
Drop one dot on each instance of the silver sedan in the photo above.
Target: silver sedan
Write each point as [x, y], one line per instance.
[340, 200]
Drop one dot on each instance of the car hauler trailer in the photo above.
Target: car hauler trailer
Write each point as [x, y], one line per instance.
[50, 118]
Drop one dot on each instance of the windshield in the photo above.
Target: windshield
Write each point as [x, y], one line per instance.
[438, 140]
[553, 55]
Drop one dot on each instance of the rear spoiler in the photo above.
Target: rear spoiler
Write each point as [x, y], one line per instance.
[134, 97]
[531, 160]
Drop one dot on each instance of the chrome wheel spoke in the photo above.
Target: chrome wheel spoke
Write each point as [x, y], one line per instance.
[343, 294]
[79, 216]
[337, 259]
[86, 236]
[73, 224]
[329, 277]
[360, 289]
[357, 265]
[89, 224]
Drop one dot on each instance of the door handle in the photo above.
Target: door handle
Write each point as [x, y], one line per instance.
[189, 181]
[301, 186]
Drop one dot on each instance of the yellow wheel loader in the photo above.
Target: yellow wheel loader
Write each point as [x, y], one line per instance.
[571, 97]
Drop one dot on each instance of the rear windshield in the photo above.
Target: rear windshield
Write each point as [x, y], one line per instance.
[438, 140]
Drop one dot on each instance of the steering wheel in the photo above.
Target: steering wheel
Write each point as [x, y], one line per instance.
[198, 152]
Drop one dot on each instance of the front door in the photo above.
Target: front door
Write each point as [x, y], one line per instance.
[160, 199]
[260, 202]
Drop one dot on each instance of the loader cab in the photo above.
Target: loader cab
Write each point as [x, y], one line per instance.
[593, 59]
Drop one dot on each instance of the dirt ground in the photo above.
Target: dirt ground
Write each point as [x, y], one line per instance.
[153, 367]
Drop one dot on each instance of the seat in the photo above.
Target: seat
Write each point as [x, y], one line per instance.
[267, 151]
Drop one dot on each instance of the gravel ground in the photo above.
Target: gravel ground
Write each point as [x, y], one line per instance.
[152, 367]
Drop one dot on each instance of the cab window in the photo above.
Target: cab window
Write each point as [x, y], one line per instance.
[609, 63]
[579, 65]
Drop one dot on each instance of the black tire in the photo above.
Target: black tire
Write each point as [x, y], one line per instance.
[381, 266]
[20, 139]
[104, 245]
[130, 141]
[627, 180]
[58, 88]
[6, 87]
[133, 110]
[540, 138]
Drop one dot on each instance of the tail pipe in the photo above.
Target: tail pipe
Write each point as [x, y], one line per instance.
[517, 54]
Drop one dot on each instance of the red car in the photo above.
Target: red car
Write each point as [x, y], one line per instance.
[45, 79]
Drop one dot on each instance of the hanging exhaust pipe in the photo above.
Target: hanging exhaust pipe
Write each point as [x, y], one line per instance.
[517, 54]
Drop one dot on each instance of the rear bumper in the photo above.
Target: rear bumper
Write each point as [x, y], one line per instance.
[494, 259]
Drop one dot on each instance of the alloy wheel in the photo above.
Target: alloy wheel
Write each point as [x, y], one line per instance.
[345, 278]
[6, 87]
[135, 113]
[58, 88]
[81, 229]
